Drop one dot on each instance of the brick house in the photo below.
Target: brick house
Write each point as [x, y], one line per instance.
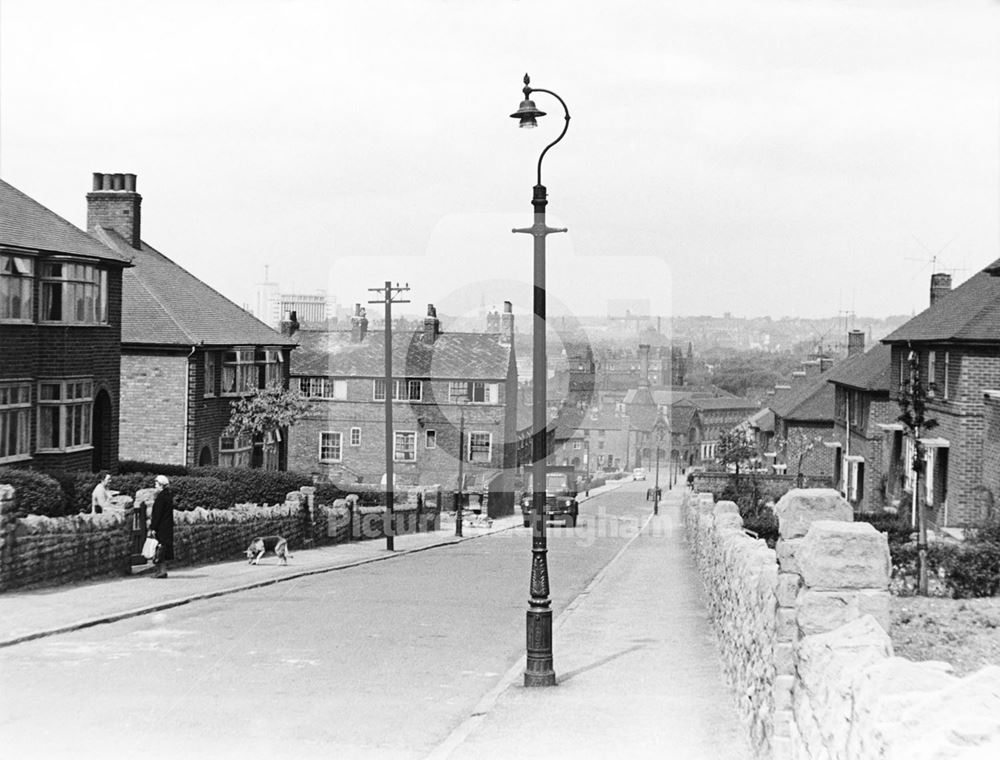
[719, 415]
[443, 384]
[868, 453]
[804, 410]
[186, 350]
[60, 338]
[955, 343]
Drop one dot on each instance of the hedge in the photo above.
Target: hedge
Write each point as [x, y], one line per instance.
[35, 492]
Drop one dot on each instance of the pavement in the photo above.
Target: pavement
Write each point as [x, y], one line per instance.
[636, 661]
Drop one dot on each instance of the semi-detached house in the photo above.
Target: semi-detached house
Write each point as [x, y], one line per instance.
[60, 336]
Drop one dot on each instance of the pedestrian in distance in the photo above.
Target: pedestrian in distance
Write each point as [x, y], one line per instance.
[100, 497]
[161, 525]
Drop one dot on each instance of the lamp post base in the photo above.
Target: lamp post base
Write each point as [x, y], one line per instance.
[539, 670]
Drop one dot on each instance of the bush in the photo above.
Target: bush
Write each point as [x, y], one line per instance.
[764, 523]
[974, 570]
[897, 527]
[129, 466]
[254, 486]
[35, 493]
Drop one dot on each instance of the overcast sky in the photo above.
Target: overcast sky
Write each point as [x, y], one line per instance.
[761, 157]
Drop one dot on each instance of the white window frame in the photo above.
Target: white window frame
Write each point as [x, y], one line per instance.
[328, 388]
[211, 370]
[241, 369]
[408, 438]
[947, 368]
[467, 391]
[81, 291]
[472, 434]
[430, 439]
[334, 445]
[71, 413]
[355, 437]
[931, 383]
[17, 285]
[235, 451]
[402, 390]
[272, 359]
[15, 420]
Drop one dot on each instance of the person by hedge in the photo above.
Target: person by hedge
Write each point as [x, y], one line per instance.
[100, 497]
[161, 525]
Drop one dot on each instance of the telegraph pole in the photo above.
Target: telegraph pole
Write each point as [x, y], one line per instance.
[388, 299]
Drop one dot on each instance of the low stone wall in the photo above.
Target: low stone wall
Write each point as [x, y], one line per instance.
[38, 550]
[803, 638]
[769, 487]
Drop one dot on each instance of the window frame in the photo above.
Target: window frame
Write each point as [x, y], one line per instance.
[238, 454]
[470, 449]
[86, 297]
[338, 447]
[243, 371]
[403, 389]
[15, 420]
[430, 439]
[410, 435]
[354, 437]
[23, 283]
[73, 414]
[211, 367]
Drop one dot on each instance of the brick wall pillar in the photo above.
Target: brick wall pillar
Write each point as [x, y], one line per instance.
[8, 524]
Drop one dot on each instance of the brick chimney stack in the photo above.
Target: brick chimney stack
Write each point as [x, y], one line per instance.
[432, 325]
[507, 324]
[113, 203]
[290, 324]
[856, 340]
[359, 324]
[940, 286]
[643, 364]
[493, 321]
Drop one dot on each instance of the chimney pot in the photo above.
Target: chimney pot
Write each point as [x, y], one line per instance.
[118, 182]
[130, 183]
[98, 181]
[106, 182]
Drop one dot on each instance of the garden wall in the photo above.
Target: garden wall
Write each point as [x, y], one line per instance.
[803, 638]
[37, 550]
[769, 487]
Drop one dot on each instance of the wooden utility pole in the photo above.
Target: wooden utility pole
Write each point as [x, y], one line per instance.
[388, 292]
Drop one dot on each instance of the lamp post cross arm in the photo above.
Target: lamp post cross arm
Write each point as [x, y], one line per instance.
[540, 229]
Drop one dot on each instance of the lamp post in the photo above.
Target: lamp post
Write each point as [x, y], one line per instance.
[461, 476]
[656, 482]
[539, 670]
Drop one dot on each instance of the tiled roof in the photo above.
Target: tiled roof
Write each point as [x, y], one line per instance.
[681, 416]
[163, 304]
[971, 312]
[455, 356]
[812, 400]
[868, 371]
[716, 404]
[763, 420]
[26, 223]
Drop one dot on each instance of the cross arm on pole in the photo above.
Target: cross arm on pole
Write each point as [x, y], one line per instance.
[540, 229]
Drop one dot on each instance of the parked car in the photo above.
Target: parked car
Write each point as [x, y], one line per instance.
[639, 473]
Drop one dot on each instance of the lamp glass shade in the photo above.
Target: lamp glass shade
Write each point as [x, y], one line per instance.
[527, 113]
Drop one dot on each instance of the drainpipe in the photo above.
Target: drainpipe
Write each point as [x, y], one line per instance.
[187, 402]
[847, 443]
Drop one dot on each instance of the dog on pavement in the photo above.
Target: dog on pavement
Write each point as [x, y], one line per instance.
[264, 544]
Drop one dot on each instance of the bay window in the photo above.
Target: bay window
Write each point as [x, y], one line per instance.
[17, 286]
[64, 413]
[238, 374]
[15, 420]
[74, 293]
[235, 451]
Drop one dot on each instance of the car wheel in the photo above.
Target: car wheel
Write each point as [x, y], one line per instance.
[527, 523]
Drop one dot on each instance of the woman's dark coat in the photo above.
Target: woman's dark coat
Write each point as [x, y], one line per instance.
[161, 522]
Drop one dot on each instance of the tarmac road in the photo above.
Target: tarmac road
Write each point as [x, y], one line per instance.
[381, 660]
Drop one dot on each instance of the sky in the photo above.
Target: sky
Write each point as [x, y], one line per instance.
[758, 157]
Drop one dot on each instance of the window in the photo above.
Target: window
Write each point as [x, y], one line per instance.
[15, 420]
[64, 412]
[577, 445]
[405, 449]
[480, 447]
[402, 390]
[235, 452]
[269, 362]
[931, 373]
[329, 447]
[74, 293]
[355, 436]
[17, 282]
[238, 371]
[211, 367]
[947, 369]
[474, 392]
[323, 387]
[430, 439]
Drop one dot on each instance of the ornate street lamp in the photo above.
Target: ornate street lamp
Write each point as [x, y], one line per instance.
[539, 670]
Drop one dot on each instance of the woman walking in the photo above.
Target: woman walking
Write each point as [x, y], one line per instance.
[161, 525]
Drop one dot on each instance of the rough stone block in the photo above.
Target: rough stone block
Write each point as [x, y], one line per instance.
[787, 625]
[781, 692]
[724, 507]
[785, 549]
[819, 611]
[787, 588]
[827, 660]
[728, 521]
[839, 555]
[784, 658]
[801, 507]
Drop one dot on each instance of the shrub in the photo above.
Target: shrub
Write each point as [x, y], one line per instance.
[35, 493]
[129, 466]
[974, 570]
[256, 486]
[764, 523]
[897, 527]
[210, 493]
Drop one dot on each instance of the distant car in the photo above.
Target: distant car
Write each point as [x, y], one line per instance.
[639, 473]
